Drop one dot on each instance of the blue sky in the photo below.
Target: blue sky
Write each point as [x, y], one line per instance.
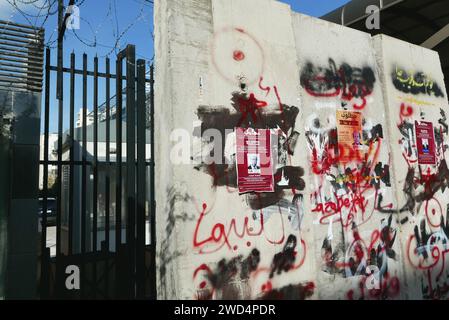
[315, 8]
[106, 24]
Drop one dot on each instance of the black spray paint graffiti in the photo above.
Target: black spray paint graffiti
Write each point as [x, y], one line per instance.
[366, 177]
[415, 83]
[424, 189]
[354, 259]
[323, 144]
[421, 187]
[291, 292]
[427, 251]
[230, 279]
[348, 83]
[284, 261]
[251, 112]
[223, 278]
[168, 252]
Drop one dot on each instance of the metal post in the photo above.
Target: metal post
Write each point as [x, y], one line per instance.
[108, 168]
[84, 211]
[141, 174]
[59, 96]
[130, 161]
[118, 176]
[72, 151]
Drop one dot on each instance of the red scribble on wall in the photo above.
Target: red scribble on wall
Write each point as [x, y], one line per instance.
[419, 261]
[261, 87]
[433, 265]
[205, 293]
[334, 154]
[281, 109]
[238, 55]
[405, 112]
[389, 287]
[221, 42]
[220, 234]
[359, 181]
[352, 204]
[432, 214]
[249, 106]
[211, 281]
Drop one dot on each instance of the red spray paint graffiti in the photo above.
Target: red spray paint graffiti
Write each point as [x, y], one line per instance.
[220, 235]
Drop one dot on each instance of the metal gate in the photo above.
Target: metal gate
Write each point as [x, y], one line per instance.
[102, 199]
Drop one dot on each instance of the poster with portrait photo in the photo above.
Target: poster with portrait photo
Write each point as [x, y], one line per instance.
[254, 160]
[425, 142]
[254, 163]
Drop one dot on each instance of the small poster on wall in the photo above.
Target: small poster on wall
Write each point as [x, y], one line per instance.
[349, 132]
[425, 142]
[254, 160]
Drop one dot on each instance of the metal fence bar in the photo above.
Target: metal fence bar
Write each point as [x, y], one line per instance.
[108, 168]
[95, 171]
[72, 151]
[83, 178]
[91, 73]
[141, 174]
[60, 97]
[118, 142]
[131, 161]
[118, 186]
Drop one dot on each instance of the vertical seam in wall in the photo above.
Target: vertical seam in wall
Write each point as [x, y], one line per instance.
[307, 174]
[379, 55]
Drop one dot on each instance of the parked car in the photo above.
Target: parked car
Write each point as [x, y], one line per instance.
[51, 211]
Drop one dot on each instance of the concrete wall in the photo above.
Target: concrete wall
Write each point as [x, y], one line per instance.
[414, 91]
[315, 238]
[350, 201]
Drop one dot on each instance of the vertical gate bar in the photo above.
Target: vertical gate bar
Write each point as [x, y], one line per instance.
[60, 97]
[141, 174]
[83, 176]
[130, 161]
[118, 142]
[152, 191]
[59, 193]
[95, 182]
[118, 177]
[44, 272]
[59, 180]
[95, 171]
[59, 86]
[72, 150]
[108, 167]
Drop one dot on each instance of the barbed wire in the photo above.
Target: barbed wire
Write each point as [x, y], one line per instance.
[49, 8]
